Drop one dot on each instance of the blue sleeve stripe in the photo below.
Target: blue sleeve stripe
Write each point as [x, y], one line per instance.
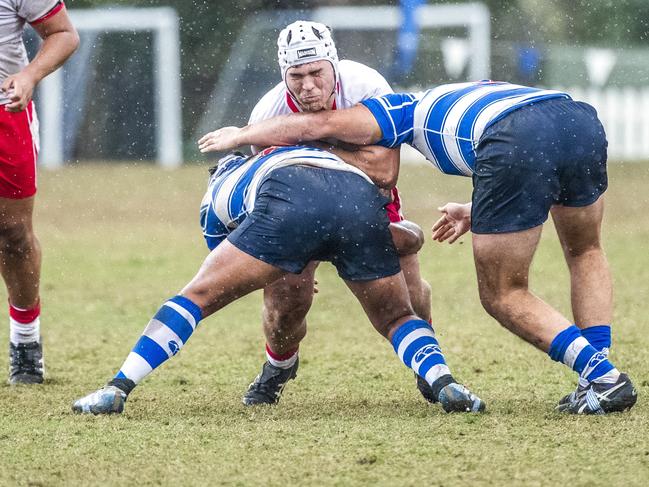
[382, 117]
[150, 351]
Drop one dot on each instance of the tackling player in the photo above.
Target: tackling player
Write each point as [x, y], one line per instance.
[313, 79]
[266, 216]
[530, 152]
[20, 265]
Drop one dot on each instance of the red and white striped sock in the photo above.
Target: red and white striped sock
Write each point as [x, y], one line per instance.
[283, 361]
[24, 324]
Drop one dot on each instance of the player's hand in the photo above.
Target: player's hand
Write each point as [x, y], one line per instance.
[455, 222]
[19, 88]
[222, 139]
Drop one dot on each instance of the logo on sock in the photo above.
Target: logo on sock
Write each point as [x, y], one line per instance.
[173, 346]
[596, 359]
[426, 352]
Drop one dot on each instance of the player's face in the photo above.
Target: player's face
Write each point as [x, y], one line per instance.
[312, 85]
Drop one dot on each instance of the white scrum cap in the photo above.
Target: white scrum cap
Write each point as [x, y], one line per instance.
[305, 42]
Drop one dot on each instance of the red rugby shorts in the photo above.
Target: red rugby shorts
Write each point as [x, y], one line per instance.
[394, 207]
[18, 152]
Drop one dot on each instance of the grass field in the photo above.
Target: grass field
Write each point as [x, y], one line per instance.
[119, 240]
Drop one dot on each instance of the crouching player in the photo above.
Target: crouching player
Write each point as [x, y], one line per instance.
[269, 215]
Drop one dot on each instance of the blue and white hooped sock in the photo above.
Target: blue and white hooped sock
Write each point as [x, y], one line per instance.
[571, 348]
[416, 345]
[599, 337]
[162, 338]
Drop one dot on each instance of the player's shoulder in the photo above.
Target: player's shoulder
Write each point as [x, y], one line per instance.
[34, 11]
[270, 105]
[359, 82]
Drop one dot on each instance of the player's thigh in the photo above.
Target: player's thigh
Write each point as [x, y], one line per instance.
[291, 293]
[503, 260]
[226, 275]
[579, 227]
[384, 300]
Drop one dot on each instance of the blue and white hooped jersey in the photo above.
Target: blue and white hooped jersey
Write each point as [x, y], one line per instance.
[232, 189]
[445, 124]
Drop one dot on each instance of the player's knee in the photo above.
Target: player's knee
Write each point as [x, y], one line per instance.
[16, 239]
[579, 250]
[500, 301]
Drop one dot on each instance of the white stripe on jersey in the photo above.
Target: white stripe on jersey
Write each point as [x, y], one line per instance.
[232, 193]
[435, 123]
[452, 123]
[493, 110]
[420, 119]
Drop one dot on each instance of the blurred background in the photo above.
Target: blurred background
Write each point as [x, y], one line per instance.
[145, 84]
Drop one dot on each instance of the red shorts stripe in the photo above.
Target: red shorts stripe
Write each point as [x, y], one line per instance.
[394, 207]
[18, 152]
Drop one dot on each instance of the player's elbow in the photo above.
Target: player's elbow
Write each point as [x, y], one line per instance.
[390, 170]
[75, 40]
[72, 40]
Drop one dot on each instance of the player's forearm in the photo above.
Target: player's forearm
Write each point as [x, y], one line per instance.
[284, 130]
[55, 50]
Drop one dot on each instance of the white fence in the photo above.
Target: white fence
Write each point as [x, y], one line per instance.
[625, 115]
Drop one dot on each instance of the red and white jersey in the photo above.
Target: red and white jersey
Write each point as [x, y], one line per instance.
[356, 82]
[13, 16]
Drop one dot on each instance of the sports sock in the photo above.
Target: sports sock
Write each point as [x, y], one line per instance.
[162, 338]
[283, 361]
[24, 324]
[416, 345]
[571, 348]
[599, 337]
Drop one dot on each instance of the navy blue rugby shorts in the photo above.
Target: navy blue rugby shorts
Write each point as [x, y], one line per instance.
[548, 153]
[305, 213]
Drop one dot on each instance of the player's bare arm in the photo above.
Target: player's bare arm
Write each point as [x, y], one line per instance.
[60, 40]
[354, 126]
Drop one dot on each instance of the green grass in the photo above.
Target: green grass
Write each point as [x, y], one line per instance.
[119, 240]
